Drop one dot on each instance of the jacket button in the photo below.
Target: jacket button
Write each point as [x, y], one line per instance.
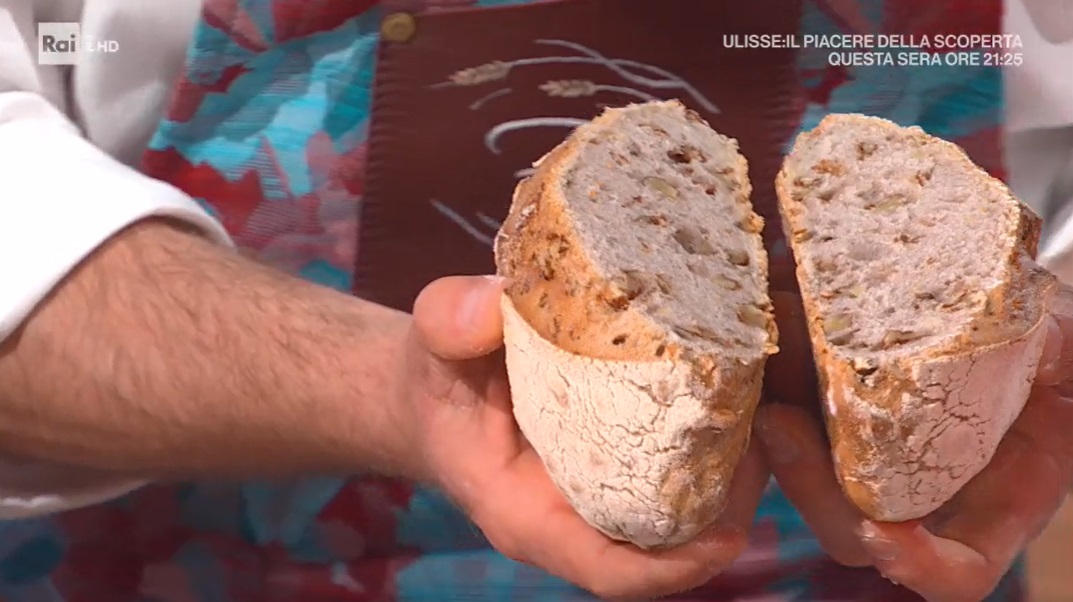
[398, 27]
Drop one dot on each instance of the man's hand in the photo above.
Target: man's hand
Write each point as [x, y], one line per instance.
[473, 450]
[960, 552]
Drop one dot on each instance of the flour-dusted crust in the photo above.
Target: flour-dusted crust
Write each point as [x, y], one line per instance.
[635, 451]
[906, 447]
[909, 433]
[640, 430]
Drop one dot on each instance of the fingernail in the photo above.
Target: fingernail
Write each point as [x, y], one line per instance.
[875, 544]
[475, 304]
[779, 447]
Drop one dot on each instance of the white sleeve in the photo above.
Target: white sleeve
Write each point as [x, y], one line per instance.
[60, 198]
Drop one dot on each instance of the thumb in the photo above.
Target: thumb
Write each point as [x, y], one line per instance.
[458, 317]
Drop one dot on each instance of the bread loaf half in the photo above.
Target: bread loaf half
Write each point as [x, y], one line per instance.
[925, 307]
[637, 319]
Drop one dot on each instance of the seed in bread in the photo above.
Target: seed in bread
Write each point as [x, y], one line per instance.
[924, 305]
[637, 319]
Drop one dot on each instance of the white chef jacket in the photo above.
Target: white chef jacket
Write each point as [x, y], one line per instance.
[71, 134]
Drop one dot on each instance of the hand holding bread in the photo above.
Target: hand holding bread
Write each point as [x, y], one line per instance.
[960, 552]
[925, 308]
[638, 322]
[464, 440]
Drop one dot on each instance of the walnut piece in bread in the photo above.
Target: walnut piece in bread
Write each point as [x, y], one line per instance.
[925, 308]
[637, 320]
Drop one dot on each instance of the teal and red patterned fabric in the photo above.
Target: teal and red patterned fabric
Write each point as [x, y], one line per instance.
[267, 129]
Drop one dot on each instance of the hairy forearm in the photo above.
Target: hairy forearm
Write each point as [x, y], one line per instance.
[164, 354]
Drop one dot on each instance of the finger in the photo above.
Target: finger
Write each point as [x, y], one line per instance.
[1009, 503]
[940, 570]
[751, 478]
[1057, 368]
[459, 318]
[1046, 428]
[605, 567]
[1062, 303]
[1054, 361]
[800, 459]
[993, 517]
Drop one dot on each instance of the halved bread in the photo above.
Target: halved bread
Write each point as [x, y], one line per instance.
[637, 319]
[925, 307]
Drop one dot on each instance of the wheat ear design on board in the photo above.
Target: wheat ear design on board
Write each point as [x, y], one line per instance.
[569, 88]
[488, 72]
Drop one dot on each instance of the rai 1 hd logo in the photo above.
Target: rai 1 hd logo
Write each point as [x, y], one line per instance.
[63, 44]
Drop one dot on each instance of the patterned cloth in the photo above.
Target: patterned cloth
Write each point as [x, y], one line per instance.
[267, 129]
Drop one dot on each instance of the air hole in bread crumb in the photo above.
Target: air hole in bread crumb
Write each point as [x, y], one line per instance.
[728, 283]
[547, 271]
[631, 283]
[699, 332]
[618, 302]
[655, 220]
[698, 268]
[693, 241]
[686, 154]
[738, 257]
[827, 166]
[663, 284]
[864, 250]
[661, 186]
[619, 340]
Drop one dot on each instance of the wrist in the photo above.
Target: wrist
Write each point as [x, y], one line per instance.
[374, 424]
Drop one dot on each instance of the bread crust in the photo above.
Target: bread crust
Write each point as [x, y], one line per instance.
[909, 435]
[635, 451]
[641, 438]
